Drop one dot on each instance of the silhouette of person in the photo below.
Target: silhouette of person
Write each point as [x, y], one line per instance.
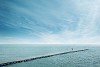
[72, 48]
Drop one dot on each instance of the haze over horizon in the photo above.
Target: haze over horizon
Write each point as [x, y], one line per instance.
[50, 22]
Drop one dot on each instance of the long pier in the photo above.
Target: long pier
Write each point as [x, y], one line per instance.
[39, 57]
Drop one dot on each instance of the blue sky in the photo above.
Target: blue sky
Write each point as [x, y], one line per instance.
[49, 21]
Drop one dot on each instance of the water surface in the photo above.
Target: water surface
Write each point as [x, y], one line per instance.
[90, 58]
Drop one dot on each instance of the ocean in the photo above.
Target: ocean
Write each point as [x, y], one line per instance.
[90, 58]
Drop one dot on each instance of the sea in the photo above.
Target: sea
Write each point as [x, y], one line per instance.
[13, 52]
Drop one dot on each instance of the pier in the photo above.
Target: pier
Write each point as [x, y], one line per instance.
[39, 57]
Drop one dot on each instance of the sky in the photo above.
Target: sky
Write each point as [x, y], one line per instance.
[50, 22]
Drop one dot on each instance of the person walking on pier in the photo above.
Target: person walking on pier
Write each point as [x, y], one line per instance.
[72, 49]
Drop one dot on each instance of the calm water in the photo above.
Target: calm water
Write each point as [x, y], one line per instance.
[90, 58]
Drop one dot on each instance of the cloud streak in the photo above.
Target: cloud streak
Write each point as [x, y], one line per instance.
[50, 22]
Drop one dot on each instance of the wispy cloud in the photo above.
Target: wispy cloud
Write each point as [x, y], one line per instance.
[50, 22]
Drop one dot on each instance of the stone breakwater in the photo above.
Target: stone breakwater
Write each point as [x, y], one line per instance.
[39, 57]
